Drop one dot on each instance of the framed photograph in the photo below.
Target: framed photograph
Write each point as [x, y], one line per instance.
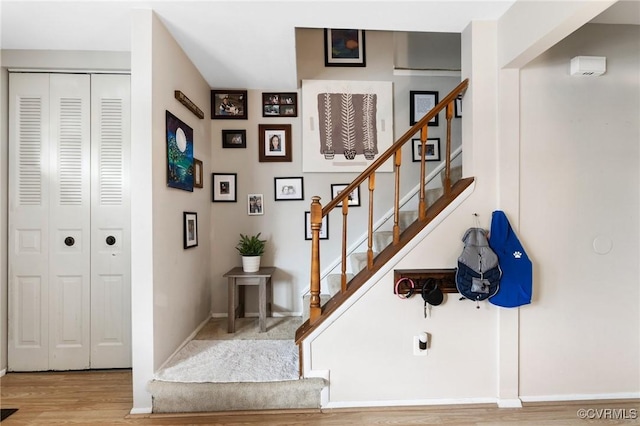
[234, 138]
[190, 224]
[288, 188]
[229, 104]
[353, 198]
[279, 104]
[179, 154]
[421, 103]
[432, 148]
[197, 173]
[458, 107]
[225, 187]
[344, 48]
[255, 205]
[324, 227]
[275, 142]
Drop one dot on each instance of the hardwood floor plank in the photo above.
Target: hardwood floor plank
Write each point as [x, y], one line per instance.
[105, 398]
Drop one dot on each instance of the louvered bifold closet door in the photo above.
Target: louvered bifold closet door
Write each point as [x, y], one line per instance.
[110, 222]
[28, 245]
[70, 226]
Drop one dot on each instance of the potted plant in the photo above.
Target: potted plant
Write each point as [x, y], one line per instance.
[251, 248]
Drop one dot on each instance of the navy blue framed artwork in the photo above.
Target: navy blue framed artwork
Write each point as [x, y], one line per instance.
[344, 48]
[180, 167]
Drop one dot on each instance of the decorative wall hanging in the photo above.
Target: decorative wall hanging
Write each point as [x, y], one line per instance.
[288, 188]
[421, 103]
[432, 148]
[197, 173]
[224, 188]
[255, 205]
[458, 107]
[353, 198]
[190, 225]
[279, 104]
[229, 104]
[189, 104]
[275, 143]
[234, 138]
[324, 227]
[344, 48]
[346, 124]
[179, 153]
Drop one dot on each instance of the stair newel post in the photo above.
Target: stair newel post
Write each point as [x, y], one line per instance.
[447, 164]
[422, 206]
[396, 201]
[315, 310]
[343, 275]
[372, 186]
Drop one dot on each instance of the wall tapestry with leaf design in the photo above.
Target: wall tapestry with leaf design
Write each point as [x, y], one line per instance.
[346, 124]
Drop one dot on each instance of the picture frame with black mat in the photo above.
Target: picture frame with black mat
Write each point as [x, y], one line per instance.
[324, 227]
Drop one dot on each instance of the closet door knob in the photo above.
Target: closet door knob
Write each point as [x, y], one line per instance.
[69, 241]
[111, 240]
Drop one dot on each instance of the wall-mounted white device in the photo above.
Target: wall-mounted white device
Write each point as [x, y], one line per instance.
[588, 65]
[421, 343]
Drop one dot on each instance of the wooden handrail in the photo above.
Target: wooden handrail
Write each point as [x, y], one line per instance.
[318, 212]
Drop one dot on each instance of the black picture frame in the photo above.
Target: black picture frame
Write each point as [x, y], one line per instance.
[190, 229]
[224, 187]
[234, 138]
[267, 152]
[278, 104]
[421, 102]
[288, 188]
[344, 48]
[354, 197]
[324, 227]
[458, 107]
[234, 108]
[432, 148]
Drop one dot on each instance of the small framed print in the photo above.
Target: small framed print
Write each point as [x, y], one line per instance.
[224, 187]
[190, 224]
[229, 104]
[458, 107]
[344, 48]
[275, 142]
[279, 104]
[421, 103]
[197, 173]
[353, 198]
[324, 227]
[255, 205]
[288, 188]
[432, 148]
[234, 138]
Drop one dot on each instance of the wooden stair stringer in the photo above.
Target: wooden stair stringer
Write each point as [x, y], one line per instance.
[460, 191]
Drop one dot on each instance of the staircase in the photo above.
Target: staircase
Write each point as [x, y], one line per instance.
[381, 245]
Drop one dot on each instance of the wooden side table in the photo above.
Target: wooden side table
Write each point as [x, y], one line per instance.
[237, 280]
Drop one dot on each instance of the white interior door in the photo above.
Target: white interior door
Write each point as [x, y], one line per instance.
[28, 246]
[70, 222]
[69, 283]
[110, 218]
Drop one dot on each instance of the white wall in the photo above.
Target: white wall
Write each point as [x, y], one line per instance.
[171, 284]
[283, 221]
[580, 178]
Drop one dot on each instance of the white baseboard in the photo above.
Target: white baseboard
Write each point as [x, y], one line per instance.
[256, 314]
[137, 411]
[509, 403]
[184, 342]
[409, 402]
[3, 372]
[580, 397]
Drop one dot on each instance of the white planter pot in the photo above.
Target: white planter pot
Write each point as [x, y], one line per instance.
[250, 263]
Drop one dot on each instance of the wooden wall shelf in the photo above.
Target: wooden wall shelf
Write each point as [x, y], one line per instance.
[446, 279]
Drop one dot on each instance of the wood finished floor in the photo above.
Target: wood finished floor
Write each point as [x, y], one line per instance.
[105, 398]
